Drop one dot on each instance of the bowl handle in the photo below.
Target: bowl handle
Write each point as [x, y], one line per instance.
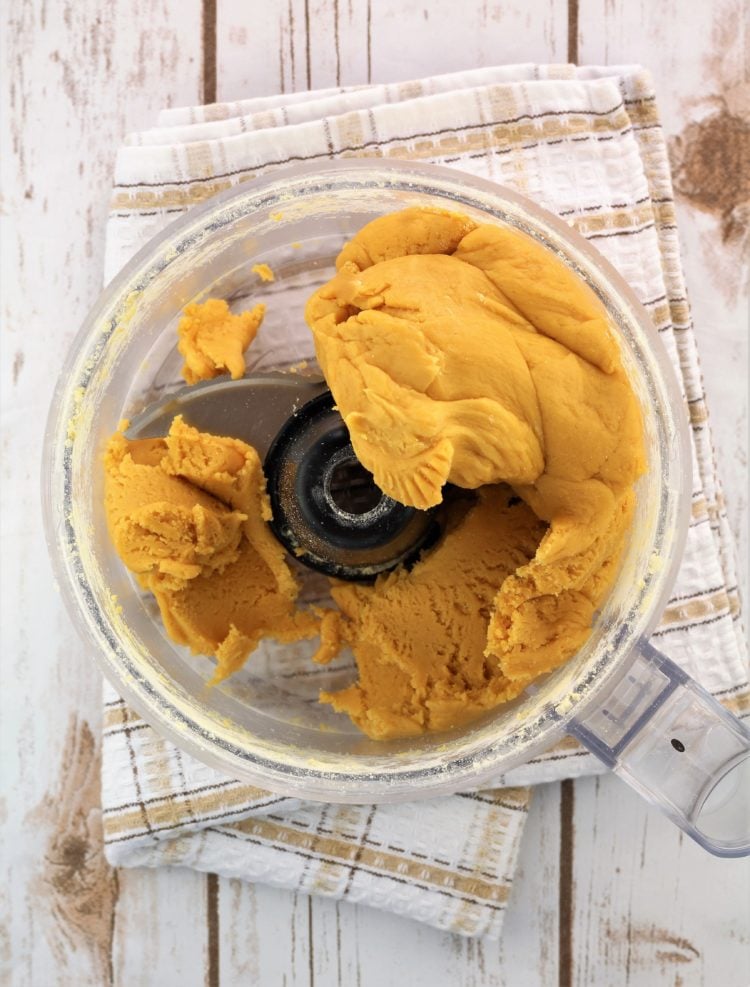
[678, 747]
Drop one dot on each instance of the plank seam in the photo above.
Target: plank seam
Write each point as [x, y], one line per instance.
[565, 932]
[208, 30]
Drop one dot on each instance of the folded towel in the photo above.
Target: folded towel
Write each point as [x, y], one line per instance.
[585, 143]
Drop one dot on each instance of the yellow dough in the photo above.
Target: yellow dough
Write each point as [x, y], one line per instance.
[264, 272]
[419, 637]
[456, 353]
[472, 355]
[188, 515]
[213, 340]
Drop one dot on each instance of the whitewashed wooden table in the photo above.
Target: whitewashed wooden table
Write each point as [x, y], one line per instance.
[609, 893]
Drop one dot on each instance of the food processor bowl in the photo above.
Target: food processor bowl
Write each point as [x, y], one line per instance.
[264, 724]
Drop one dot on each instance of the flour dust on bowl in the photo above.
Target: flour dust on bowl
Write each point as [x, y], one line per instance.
[629, 705]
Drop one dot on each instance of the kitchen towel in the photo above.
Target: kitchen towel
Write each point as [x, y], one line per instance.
[586, 143]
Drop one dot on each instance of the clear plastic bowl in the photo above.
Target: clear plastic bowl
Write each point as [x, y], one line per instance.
[264, 725]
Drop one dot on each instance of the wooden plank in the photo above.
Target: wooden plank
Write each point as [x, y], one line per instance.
[79, 77]
[335, 42]
[261, 55]
[160, 928]
[340, 43]
[657, 909]
[652, 907]
[266, 936]
[443, 37]
[311, 44]
[697, 54]
[529, 949]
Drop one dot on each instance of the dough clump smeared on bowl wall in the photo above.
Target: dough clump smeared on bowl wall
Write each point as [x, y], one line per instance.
[456, 353]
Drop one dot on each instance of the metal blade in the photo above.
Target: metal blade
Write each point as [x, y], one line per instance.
[253, 409]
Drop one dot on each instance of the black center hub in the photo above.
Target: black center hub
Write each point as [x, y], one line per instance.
[327, 509]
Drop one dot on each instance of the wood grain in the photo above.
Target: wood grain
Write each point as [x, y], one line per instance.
[529, 949]
[160, 930]
[650, 906]
[265, 935]
[320, 43]
[483, 34]
[72, 879]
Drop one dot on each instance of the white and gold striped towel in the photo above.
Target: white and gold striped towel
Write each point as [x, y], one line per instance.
[587, 144]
